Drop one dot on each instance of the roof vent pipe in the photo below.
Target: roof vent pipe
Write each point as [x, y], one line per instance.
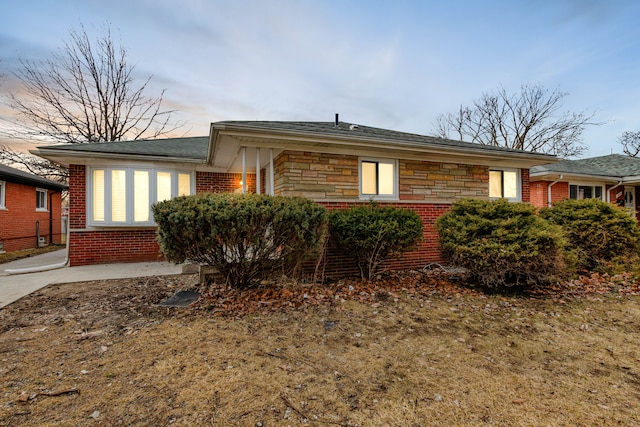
[337, 121]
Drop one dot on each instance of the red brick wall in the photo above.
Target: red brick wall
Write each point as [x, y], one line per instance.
[540, 193]
[19, 217]
[427, 251]
[215, 182]
[526, 185]
[113, 246]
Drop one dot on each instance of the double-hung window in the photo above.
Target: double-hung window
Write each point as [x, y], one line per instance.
[579, 192]
[378, 179]
[3, 191]
[41, 199]
[504, 183]
[123, 196]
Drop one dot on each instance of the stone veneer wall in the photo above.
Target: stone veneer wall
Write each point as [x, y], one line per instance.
[335, 177]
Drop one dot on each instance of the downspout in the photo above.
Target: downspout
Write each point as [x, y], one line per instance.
[12, 271]
[51, 216]
[549, 189]
[612, 188]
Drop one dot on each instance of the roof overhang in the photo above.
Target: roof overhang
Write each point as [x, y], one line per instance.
[227, 139]
[81, 157]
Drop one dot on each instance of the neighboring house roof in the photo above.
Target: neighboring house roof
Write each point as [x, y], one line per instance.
[17, 176]
[613, 167]
[222, 147]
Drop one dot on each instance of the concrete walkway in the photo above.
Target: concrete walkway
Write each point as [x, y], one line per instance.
[13, 287]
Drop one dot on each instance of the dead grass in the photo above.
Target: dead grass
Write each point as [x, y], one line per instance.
[429, 355]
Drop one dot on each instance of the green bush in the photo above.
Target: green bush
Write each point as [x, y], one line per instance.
[502, 244]
[598, 233]
[246, 237]
[373, 234]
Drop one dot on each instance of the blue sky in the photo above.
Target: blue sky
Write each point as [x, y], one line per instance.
[392, 64]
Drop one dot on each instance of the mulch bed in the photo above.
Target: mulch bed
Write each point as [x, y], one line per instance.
[289, 295]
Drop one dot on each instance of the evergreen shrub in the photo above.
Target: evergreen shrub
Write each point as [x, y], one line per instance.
[599, 234]
[373, 234]
[246, 237]
[502, 244]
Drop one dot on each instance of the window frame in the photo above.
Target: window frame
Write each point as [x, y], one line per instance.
[3, 192]
[44, 206]
[130, 205]
[396, 179]
[593, 189]
[517, 172]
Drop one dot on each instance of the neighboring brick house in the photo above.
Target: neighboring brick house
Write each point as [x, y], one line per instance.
[614, 178]
[30, 210]
[337, 164]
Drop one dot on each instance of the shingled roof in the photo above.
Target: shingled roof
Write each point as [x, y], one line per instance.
[10, 174]
[612, 165]
[194, 148]
[350, 130]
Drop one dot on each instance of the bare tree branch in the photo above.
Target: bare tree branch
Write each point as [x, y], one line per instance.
[630, 143]
[86, 92]
[530, 120]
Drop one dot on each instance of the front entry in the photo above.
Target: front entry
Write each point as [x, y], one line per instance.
[630, 199]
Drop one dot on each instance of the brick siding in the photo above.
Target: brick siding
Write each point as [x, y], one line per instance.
[428, 250]
[332, 180]
[113, 246]
[19, 218]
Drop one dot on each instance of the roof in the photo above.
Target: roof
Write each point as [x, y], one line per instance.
[228, 137]
[10, 174]
[221, 149]
[192, 148]
[610, 166]
[349, 130]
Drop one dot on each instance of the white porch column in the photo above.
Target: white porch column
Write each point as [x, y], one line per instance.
[271, 184]
[257, 170]
[244, 170]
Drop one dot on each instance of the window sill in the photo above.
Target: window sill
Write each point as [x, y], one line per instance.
[42, 210]
[366, 198]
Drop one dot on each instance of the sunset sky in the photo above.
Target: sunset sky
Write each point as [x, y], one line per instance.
[389, 64]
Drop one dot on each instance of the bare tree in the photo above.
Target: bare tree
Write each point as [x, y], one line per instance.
[530, 120]
[86, 92]
[630, 143]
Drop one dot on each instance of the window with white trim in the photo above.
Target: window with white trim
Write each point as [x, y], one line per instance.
[579, 192]
[41, 199]
[378, 179]
[3, 191]
[504, 183]
[124, 196]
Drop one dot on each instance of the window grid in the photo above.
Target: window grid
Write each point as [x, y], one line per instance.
[41, 199]
[504, 183]
[2, 194]
[123, 196]
[378, 179]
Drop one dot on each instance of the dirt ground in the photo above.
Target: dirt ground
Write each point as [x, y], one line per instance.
[409, 350]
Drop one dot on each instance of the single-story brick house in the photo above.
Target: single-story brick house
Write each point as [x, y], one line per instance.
[112, 185]
[614, 178]
[30, 210]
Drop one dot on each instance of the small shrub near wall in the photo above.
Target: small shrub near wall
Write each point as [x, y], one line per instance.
[599, 234]
[372, 234]
[501, 243]
[246, 237]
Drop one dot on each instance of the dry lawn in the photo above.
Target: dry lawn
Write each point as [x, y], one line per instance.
[410, 351]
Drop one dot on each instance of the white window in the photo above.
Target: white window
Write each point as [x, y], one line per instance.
[3, 191]
[378, 179]
[504, 183]
[579, 192]
[41, 199]
[123, 196]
